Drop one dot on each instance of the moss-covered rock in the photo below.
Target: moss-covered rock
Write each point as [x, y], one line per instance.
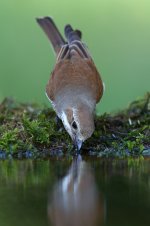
[30, 130]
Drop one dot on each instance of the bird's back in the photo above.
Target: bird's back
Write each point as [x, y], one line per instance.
[73, 74]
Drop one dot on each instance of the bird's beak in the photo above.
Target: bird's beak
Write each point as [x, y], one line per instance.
[78, 143]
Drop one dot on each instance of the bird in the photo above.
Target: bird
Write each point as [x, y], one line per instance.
[75, 85]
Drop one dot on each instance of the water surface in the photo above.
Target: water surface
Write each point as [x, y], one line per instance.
[75, 192]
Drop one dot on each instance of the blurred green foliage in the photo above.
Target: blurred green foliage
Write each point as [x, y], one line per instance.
[117, 33]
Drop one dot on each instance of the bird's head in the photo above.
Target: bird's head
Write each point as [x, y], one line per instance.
[79, 123]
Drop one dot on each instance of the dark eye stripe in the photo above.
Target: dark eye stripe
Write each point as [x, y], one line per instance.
[74, 125]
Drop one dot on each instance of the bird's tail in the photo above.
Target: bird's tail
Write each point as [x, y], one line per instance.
[72, 35]
[52, 32]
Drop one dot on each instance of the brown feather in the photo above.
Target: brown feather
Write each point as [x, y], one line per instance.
[75, 72]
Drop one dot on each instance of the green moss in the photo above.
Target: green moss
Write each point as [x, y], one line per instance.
[29, 130]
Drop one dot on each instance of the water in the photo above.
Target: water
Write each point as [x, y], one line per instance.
[80, 192]
[116, 32]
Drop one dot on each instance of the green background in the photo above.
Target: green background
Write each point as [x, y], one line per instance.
[117, 33]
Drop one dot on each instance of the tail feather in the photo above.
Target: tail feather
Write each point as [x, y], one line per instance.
[79, 33]
[52, 32]
[72, 35]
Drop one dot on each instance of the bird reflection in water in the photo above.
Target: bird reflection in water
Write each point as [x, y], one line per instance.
[75, 200]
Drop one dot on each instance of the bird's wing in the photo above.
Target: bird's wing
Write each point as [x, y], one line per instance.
[97, 79]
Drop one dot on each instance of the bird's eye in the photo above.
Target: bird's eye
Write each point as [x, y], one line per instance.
[74, 125]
